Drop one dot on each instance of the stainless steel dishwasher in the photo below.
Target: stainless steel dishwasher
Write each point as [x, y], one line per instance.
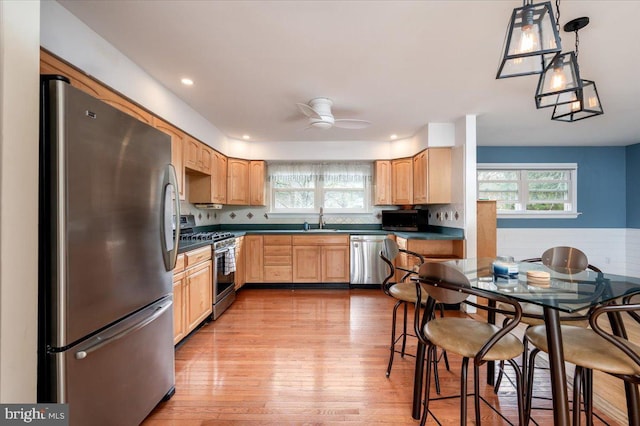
[367, 269]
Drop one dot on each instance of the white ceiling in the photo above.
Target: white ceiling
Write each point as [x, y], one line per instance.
[399, 64]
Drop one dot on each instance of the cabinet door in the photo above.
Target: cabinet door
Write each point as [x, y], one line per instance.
[199, 299]
[420, 178]
[335, 264]
[191, 153]
[206, 158]
[382, 183]
[402, 181]
[240, 263]
[306, 264]
[438, 175]
[237, 181]
[176, 152]
[487, 244]
[256, 183]
[179, 320]
[219, 178]
[254, 265]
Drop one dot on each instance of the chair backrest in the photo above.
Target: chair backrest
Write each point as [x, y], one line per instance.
[568, 260]
[436, 272]
[390, 249]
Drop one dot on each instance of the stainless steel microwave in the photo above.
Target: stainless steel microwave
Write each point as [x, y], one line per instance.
[405, 220]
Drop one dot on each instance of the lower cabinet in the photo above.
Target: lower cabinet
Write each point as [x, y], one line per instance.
[431, 250]
[192, 291]
[306, 264]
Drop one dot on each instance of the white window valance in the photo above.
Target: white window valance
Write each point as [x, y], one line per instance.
[342, 172]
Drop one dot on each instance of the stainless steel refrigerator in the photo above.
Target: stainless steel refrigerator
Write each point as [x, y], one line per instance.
[106, 251]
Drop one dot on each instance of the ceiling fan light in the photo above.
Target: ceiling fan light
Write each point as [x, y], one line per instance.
[587, 105]
[560, 82]
[531, 41]
[321, 124]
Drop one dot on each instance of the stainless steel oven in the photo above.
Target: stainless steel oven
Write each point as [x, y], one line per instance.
[224, 293]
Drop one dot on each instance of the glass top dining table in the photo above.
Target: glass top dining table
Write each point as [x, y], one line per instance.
[566, 291]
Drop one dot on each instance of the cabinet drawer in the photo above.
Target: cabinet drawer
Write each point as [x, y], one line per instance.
[320, 240]
[277, 251]
[196, 256]
[277, 274]
[277, 240]
[179, 263]
[277, 260]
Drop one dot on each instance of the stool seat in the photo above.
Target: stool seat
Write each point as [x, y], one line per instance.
[587, 349]
[466, 337]
[406, 291]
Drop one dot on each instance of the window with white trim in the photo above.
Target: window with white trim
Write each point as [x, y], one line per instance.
[530, 190]
[338, 187]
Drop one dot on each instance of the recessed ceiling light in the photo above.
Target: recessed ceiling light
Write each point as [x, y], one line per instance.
[394, 137]
[246, 137]
[187, 81]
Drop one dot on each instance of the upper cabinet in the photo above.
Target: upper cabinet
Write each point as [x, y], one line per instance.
[177, 138]
[237, 181]
[382, 185]
[197, 156]
[256, 183]
[402, 181]
[432, 176]
[219, 178]
[422, 179]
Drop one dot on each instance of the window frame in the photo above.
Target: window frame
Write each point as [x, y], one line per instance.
[523, 190]
[319, 191]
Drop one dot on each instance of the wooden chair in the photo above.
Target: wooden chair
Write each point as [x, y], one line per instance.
[592, 349]
[472, 339]
[563, 259]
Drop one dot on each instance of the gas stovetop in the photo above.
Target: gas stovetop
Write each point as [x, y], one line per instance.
[204, 236]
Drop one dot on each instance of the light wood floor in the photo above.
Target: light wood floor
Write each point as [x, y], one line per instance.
[308, 357]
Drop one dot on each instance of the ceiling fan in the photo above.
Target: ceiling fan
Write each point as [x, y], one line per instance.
[319, 112]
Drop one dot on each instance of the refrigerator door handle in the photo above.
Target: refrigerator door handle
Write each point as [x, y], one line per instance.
[137, 326]
[168, 235]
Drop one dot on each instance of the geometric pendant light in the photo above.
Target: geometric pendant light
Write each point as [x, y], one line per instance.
[587, 105]
[560, 82]
[532, 40]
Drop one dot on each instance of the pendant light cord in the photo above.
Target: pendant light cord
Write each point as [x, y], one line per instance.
[558, 18]
[577, 42]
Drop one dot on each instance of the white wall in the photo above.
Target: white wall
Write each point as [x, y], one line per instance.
[19, 76]
[605, 248]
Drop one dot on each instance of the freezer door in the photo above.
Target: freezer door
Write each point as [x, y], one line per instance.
[120, 375]
[108, 226]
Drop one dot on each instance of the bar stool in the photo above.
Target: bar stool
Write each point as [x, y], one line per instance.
[404, 293]
[467, 337]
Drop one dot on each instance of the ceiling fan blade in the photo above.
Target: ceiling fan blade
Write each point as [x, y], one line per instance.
[308, 111]
[351, 123]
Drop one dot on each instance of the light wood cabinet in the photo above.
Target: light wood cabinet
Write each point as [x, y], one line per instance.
[382, 183]
[179, 313]
[177, 152]
[197, 156]
[486, 229]
[219, 178]
[256, 183]
[306, 264]
[335, 264]
[277, 259]
[192, 287]
[402, 181]
[320, 258]
[199, 300]
[240, 263]
[254, 262]
[49, 64]
[432, 176]
[431, 250]
[237, 181]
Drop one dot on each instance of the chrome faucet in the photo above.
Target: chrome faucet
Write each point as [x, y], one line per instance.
[321, 218]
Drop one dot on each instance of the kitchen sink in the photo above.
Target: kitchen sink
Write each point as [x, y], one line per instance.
[313, 231]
